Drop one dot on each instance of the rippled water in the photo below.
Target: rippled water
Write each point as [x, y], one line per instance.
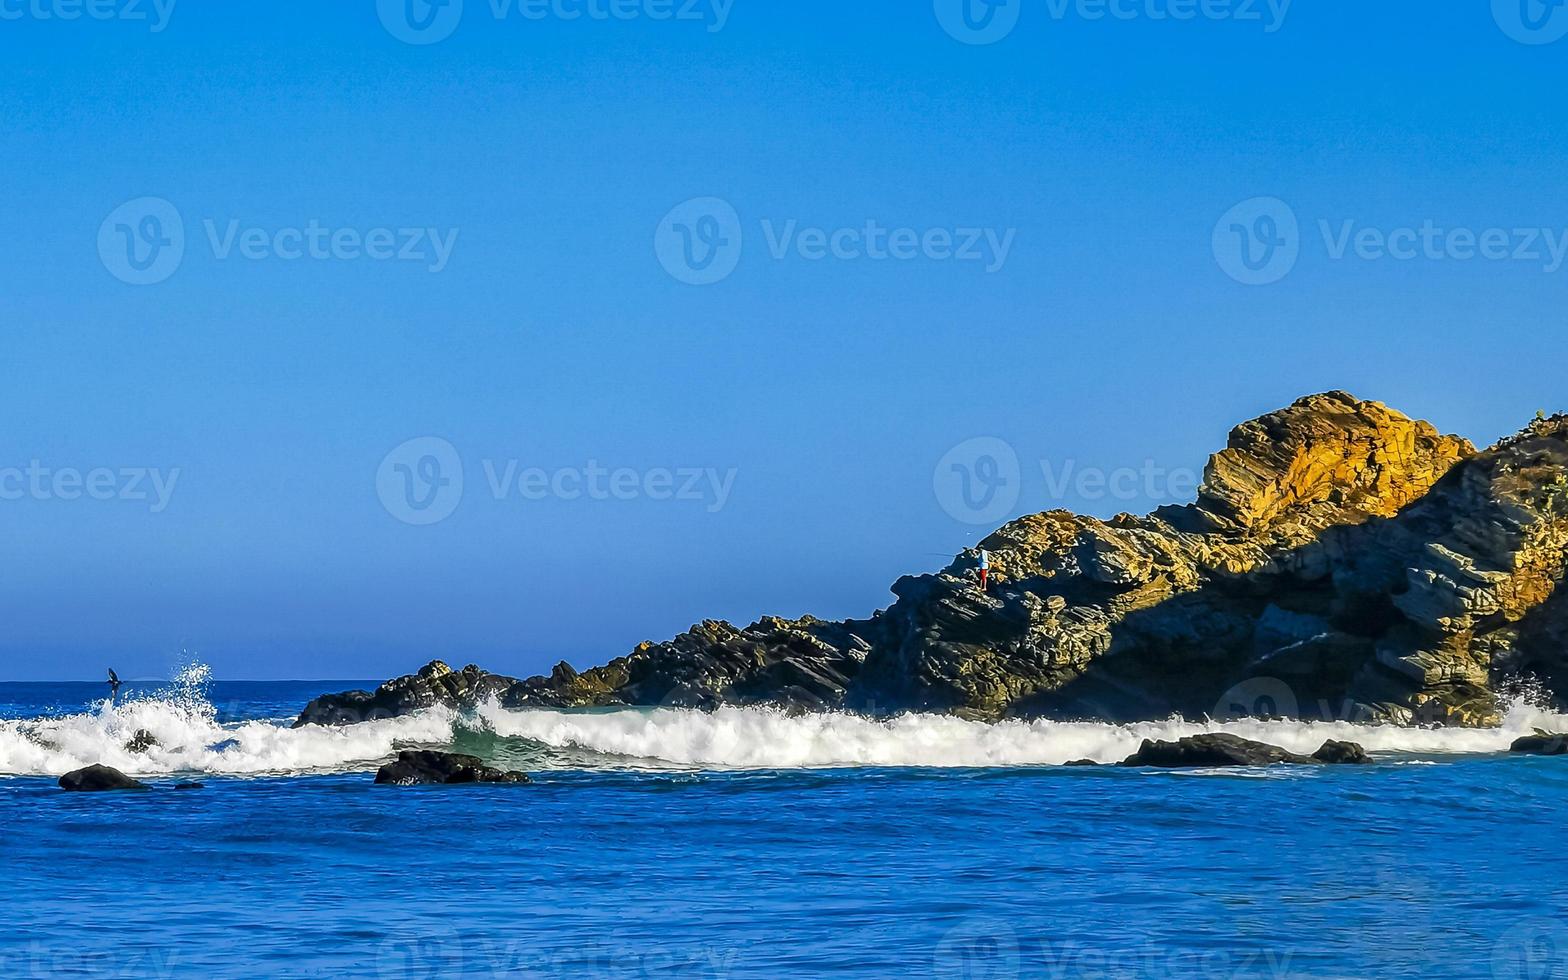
[748, 844]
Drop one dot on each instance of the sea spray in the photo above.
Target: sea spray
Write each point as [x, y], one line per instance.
[188, 737]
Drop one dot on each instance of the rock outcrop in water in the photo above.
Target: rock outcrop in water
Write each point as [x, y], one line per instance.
[1341, 561]
[425, 768]
[1221, 750]
[98, 779]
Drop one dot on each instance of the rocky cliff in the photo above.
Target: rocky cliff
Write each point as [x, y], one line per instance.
[1341, 561]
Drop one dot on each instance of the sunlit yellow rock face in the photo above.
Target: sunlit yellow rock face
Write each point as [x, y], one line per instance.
[1325, 460]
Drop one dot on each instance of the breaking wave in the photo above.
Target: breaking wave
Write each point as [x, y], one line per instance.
[190, 739]
[187, 737]
[757, 738]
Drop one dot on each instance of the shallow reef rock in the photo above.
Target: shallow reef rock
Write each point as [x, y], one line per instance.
[1341, 561]
[426, 768]
[98, 779]
[1221, 750]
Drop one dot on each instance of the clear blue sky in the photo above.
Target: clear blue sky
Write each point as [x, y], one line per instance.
[553, 336]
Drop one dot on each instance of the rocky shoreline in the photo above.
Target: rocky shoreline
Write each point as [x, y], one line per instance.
[1342, 562]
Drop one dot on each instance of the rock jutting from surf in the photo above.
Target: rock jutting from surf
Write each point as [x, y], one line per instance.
[1341, 562]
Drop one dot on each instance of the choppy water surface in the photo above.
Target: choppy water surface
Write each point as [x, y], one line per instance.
[751, 844]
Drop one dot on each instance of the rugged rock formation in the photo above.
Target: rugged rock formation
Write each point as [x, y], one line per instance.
[436, 684]
[804, 664]
[421, 768]
[1341, 561]
[1210, 751]
[97, 779]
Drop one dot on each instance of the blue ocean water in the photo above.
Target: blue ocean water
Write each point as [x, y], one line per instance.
[750, 844]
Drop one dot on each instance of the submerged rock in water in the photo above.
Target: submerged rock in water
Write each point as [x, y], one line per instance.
[427, 768]
[1341, 561]
[142, 741]
[1541, 743]
[1221, 750]
[436, 684]
[97, 779]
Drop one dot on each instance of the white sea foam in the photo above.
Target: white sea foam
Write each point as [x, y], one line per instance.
[756, 738]
[191, 740]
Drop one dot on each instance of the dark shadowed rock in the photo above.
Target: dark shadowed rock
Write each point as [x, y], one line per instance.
[427, 768]
[1209, 751]
[1081, 763]
[1541, 743]
[1342, 754]
[1220, 750]
[800, 664]
[141, 742]
[436, 684]
[97, 779]
[190, 786]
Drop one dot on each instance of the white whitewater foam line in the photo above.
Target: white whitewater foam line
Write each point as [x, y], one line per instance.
[190, 739]
[759, 738]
